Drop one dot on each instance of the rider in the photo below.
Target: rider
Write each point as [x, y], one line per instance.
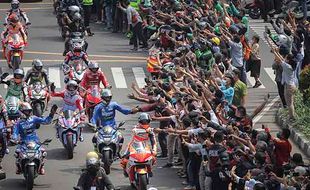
[64, 4]
[72, 100]
[74, 25]
[14, 27]
[4, 120]
[16, 10]
[37, 74]
[142, 132]
[93, 76]
[76, 54]
[104, 114]
[25, 130]
[94, 175]
[15, 85]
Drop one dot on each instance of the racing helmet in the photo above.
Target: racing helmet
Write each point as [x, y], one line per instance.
[72, 87]
[18, 74]
[92, 162]
[15, 4]
[106, 95]
[77, 47]
[144, 120]
[77, 17]
[73, 9]
[26, 109]
[13, 18]
[93, 66]
[37, 64]
[216, 41]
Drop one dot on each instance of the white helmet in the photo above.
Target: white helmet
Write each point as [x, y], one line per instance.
[73, 9]
[72, 87]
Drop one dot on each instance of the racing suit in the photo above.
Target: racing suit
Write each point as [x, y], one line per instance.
[25, 129]
[20, 13]
[9, 31]
[71, 102]
[140, 135]
[14, 89]
[100, 180]
[90, 78]
[73, 56]
[33, 76]
[105, 114]
[72, 27]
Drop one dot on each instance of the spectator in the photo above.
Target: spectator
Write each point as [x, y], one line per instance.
[87, 7]
[255, 61]
[283, 147]
[240, 90]
[107, 4]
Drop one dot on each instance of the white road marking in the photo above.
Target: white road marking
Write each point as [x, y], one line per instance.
[139, 75]
[119, 78]
[265, 110]
[270, 73]
[251, 80]
[54, 75]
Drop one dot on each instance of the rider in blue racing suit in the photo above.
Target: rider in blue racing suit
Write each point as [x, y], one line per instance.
[104, 114]
[25, 130]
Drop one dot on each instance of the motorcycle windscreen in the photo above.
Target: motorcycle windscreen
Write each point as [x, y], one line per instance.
[139, 147]
[68, 114]
[12, 104]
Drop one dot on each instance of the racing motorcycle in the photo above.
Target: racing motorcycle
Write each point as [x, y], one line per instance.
[107, 145]
[92, 98]
[74, 71]
[12, 104]
[15, 48]
[69, 130]
[77, 38]
[139, 165]
[30, 160]
[37, 94]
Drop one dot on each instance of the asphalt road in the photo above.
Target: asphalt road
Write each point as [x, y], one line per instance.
[122, 67]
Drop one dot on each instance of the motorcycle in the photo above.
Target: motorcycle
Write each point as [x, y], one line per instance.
[139, 165]
[37, 94]
[107, 145]
[30, 160]
[74, 71]
[92, 98]
[77, 37]
[69, 131]
[15, 47]
[12, 104]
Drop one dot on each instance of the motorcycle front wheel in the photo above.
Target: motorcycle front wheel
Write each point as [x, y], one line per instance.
[70, 146]
[16, 60]
[37, 109]
[106, 161]
[142, 182]
[30, 175]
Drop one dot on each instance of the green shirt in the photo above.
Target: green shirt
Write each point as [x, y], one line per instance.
[15, 90]
[240, 92]
[87, 2]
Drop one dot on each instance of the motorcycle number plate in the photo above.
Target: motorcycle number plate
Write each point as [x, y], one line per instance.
[93, 188]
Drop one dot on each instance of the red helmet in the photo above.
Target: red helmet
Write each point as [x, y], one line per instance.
[13, 18]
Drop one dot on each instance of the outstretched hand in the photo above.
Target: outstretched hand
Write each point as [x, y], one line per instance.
[54, 109]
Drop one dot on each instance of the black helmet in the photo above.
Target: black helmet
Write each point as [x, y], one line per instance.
[15, 4]
[144, 118]
[37, 64]
[19, 74]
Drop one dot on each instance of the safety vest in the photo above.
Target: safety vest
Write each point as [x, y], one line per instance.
[87, 2]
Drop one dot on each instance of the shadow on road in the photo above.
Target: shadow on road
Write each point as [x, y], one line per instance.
[48, 38]
[57, 154]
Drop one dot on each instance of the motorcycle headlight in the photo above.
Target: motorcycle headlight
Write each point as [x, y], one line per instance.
[31, 145]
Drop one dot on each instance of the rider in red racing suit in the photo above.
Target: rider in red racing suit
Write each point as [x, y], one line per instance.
[142, 132]
[76, 54]
[93, 76]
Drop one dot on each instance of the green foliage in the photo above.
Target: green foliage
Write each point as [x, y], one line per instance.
[302, 108]
[304, 83]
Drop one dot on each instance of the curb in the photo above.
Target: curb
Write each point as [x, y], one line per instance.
[296, 135]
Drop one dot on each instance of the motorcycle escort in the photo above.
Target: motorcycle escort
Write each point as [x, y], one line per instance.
[92, 98]
[30, 160]
[15, 48]
[69, 130]
[139, 165]
[107, 145]
[37, 94]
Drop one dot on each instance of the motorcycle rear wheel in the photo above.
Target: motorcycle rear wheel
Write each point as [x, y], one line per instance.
[16, 60]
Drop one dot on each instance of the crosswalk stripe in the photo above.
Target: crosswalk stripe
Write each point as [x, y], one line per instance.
[252, 81]
[271, 74]
[139, 75]
[54, 75]
[119, 78]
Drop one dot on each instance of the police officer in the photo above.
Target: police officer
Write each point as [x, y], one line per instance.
[87, 7]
